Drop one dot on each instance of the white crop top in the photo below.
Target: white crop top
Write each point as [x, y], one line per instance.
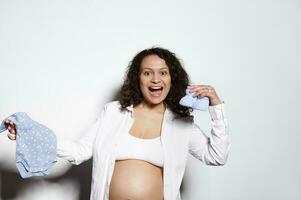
[131, 147]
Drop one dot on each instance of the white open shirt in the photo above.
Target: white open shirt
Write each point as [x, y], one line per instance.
[178, 138]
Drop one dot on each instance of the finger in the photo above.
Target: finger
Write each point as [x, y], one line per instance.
[202, 88]
[199, 94]
[9, 123]
[11, 130]
[202, 92]
[12, 123]
[199, 90]
[6, 122]
[195, 85]
[192, 86]
[11, 137]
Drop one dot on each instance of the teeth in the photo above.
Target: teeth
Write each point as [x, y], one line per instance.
[155, 87]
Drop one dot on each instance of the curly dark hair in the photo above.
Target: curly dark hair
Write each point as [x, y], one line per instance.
[130, 92]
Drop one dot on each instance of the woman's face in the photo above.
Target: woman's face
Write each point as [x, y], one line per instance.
[155, 80]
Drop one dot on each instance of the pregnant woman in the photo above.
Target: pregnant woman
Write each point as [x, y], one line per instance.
[140, 142]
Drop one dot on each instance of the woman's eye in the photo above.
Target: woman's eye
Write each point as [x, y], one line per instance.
[164, 73]
[146, 73]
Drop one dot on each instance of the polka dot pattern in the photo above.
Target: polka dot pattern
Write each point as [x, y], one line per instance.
[36, 146]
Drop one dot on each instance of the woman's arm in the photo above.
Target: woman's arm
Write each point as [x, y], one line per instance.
[80, 150]
[212, 150]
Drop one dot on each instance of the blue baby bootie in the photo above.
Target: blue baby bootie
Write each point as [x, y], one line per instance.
[199, 103]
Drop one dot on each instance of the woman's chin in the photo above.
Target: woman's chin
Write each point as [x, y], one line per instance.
[154, 101]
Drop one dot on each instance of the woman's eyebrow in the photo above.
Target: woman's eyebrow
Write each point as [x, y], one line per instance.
[152, 69]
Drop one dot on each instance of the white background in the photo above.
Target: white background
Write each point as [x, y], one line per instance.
[60, 61]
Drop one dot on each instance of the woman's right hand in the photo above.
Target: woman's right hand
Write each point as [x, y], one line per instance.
[11, 129]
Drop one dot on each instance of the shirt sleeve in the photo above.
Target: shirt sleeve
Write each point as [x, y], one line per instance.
[80, 150]
[212, 150]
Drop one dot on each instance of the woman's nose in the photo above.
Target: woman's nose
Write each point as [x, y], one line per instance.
[156, 79]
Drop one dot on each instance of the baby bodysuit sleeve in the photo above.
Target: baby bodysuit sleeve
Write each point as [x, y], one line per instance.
[80, 150]
[212, 150]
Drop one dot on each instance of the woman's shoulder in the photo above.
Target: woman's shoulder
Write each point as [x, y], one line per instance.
[114, 103]
[113, 106]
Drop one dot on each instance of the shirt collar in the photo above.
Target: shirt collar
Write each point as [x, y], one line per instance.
[167, 113]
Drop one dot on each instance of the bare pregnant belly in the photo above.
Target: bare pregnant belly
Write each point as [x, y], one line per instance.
[136, 180]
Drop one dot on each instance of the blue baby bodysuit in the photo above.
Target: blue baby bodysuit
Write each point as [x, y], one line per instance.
[36, 145]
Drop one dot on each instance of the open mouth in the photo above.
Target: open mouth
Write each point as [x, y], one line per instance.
[155, 91]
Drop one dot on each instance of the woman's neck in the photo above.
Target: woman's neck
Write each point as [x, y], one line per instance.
[157, 108]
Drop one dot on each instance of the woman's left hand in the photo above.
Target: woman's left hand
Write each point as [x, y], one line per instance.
[205, 90]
